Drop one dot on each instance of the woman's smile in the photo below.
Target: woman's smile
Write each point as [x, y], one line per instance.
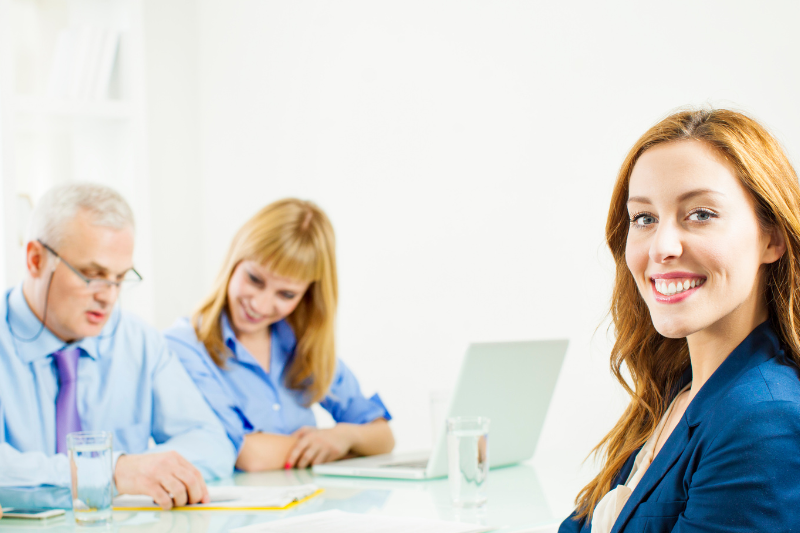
[251, 315]
[674, 287]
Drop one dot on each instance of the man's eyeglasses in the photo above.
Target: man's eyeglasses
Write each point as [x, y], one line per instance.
[98, 284]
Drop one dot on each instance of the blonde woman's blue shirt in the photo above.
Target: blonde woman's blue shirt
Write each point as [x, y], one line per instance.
[248, 399]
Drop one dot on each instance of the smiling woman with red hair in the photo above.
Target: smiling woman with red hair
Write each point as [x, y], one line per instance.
[704, 230]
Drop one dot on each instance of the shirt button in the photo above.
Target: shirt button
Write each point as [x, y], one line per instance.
[276, 407]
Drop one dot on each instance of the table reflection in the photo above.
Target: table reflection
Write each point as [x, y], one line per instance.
[516, 500]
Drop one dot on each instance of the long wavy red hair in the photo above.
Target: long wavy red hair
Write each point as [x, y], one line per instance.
[656, 363]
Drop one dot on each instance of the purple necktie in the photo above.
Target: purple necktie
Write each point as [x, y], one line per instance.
[67, 419]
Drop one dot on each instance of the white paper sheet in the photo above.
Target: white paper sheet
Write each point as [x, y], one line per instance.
[341, 522]
[233, 497]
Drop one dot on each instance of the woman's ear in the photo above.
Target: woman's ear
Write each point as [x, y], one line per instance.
[776, 246]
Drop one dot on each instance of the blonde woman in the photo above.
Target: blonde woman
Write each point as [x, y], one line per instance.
[261, 347]
[705, 233]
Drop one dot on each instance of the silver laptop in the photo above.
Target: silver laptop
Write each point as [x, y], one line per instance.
[511, 383]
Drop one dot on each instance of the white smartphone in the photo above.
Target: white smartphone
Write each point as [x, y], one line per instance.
[32, 512]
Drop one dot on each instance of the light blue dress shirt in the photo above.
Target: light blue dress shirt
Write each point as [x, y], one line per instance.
[129, 383]
[247, 399]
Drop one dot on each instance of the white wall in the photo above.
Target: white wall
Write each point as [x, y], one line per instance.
[465, 152]
[173, 115]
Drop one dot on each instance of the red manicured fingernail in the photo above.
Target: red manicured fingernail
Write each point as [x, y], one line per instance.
[287, 466]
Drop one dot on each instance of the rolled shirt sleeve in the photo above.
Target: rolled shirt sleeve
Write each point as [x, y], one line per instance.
[32, 468]
[346, 403]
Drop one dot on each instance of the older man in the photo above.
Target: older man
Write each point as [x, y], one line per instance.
[70, 361]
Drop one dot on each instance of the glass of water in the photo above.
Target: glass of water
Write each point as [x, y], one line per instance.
[468, 459]
[90, 461]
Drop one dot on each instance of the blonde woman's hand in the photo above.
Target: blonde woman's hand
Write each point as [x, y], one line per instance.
[316, 446]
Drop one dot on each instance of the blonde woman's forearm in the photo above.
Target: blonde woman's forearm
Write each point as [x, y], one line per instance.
[373, 438]
[264, 451]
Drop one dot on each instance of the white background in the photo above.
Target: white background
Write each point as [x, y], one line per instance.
[465, 152]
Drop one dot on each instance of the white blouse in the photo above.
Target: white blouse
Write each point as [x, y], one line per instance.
[609, 507]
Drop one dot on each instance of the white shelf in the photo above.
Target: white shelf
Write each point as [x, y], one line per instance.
[103, 109]
[47, 138]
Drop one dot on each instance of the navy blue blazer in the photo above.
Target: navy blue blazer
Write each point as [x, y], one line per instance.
[733, 462]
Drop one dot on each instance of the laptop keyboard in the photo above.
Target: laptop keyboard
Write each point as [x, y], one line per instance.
[407, 464]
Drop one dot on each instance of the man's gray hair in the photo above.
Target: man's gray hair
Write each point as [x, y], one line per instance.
[62, 203]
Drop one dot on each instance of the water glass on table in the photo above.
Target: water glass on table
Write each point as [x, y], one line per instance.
[468, 459]
[91, 465]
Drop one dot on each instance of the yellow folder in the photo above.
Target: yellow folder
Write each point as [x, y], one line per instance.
[134, 503]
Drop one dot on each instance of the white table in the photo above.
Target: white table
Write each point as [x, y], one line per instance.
[516, 502]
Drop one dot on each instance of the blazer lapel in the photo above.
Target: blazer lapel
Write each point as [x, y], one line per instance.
[666, 458]
[760, 345]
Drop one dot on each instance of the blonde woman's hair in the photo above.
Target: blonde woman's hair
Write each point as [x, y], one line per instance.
[656, 363]
[293, 239]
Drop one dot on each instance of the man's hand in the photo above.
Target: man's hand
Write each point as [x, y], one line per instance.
[166, 477]
[316, 446]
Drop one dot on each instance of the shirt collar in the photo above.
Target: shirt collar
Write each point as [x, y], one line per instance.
[24, 324]
[228, 336]
[761, 345]
[281, 332]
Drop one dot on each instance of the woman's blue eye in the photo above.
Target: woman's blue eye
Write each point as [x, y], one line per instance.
[254, 279]
[700, 216]
[643, 219]
[288, 295]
